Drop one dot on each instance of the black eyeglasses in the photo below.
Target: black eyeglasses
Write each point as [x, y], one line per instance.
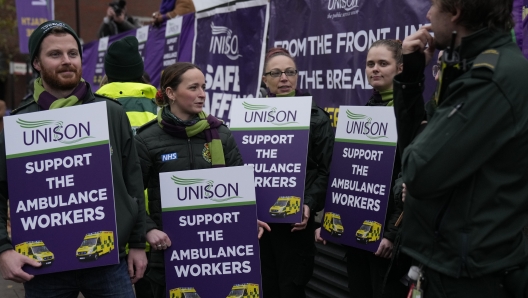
[436, 69]
[278, 73]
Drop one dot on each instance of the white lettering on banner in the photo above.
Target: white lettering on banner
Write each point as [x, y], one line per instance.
[366, 187]
[212, 253]
[217, 218]
[356, 201]
[264, 139]
[60, 219]
[213, 269]
[335, 79]
[55, 163]
[362, 154]
[276, 168]
[57, 200]
[345, 42]
[345, 4]
[275, 182]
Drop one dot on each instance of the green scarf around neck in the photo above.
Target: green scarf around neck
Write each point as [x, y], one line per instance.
[387, 96]
[48, 101]
[206, 123]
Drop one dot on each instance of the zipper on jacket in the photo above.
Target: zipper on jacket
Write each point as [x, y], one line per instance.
[191, 161]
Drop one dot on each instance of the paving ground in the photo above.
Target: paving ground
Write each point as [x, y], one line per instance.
[10, 289]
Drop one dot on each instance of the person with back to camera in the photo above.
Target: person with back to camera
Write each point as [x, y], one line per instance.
[124, 69]
[465, 173]
[367, 270]
[287, 252]
[201, 141]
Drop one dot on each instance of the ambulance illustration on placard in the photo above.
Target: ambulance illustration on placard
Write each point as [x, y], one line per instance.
[369, 231]
[95, 244]
[36, 250]
[244, 291]
[186, 292]
[332, 224]
[286, 205]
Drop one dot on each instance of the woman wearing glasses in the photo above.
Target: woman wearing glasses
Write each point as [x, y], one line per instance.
[287, 252]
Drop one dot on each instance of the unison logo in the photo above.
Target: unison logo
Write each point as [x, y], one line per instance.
[46, 131]
[224, 42]
[364, 125]
[200, 189]
[264, 113]
[347, 5]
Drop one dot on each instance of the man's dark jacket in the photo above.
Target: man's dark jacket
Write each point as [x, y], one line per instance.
[466, 172]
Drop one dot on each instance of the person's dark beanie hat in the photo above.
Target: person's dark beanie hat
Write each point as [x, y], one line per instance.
[122, 60]
[42, 31]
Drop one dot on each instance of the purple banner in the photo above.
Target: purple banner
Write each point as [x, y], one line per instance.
[229, 50]
[152, 50]
[66, 219]
[330, 39]
[30, 14]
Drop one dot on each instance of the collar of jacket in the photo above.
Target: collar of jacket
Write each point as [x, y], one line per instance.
[119, 89]
[481, 40]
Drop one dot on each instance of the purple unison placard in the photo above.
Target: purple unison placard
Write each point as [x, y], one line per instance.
[61, 190]
[210, 217]
[360, 177]
[229, 48]
[272, 136]
[30, 14]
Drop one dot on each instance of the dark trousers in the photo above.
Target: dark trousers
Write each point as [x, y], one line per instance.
[287, 260]
[366, 273]
[106, 281]
[439, 285]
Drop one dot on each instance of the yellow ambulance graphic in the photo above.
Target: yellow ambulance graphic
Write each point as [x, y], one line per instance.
[183, 293]
[370, 231]
[37, 251]
[244, 291]
[332, 224]
[286, 205]
[95, 244]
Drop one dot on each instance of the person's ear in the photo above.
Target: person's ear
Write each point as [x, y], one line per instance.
[265, 80]
[170, 93]
[400, 68]
[456, 16]
[36, 64]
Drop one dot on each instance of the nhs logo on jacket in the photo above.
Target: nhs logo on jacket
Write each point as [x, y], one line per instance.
[169, 156]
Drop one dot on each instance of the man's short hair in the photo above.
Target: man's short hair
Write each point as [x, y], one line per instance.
[478, 14]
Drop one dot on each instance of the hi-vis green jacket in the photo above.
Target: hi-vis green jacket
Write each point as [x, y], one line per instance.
[466, 173]
[126, 174]
[136, 98]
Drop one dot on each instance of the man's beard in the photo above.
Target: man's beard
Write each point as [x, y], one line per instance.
[53, 80]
